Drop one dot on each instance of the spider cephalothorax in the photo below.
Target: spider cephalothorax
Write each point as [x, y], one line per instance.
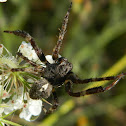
[58, 71]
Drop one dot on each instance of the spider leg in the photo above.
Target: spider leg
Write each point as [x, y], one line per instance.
[77, 80]
[26, 59]
[56, 49]
[55, 104]
[30, 39]
[34, 70]
[68, 86]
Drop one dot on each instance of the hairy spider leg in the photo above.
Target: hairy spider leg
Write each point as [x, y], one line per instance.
[56, 49]
[27, 60]
[30, 39]
[77, 80]
[68, 85]
[55, 103]
[34, 70]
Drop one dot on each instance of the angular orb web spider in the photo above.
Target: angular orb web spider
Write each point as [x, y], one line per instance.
[59, 72]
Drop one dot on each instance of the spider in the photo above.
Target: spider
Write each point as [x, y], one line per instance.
[59, 72]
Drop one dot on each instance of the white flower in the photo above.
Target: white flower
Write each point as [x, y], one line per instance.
[50, 59]
[7, 60]
[4, 94]
[12, 84]
[15, 103]
[9, 107]
[25, 114]
[27, 50]
[33, 107]
[18, 102]
[3, 0]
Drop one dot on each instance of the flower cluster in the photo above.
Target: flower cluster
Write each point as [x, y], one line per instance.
[13, 87]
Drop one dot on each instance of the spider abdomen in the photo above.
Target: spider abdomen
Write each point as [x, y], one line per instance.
[40, 89]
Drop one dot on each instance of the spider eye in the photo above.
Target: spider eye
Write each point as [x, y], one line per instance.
[61, 60]
[64, 66]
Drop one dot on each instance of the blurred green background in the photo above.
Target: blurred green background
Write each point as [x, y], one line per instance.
[95, 43]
